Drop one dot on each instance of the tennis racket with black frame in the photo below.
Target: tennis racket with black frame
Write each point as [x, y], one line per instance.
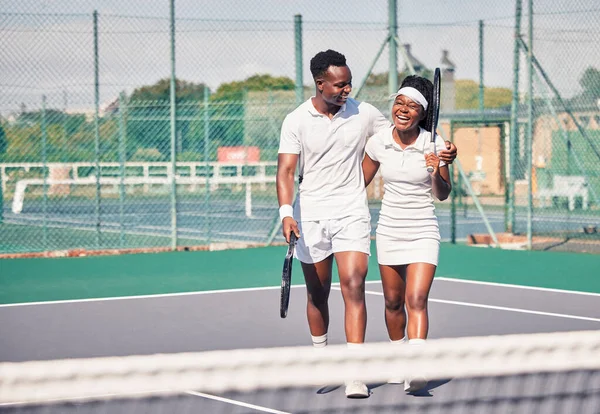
[286, 277]
[434, 110]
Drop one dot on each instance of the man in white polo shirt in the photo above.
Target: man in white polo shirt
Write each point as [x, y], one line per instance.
[326, 136]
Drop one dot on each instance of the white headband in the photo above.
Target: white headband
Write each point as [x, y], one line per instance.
[413, 94]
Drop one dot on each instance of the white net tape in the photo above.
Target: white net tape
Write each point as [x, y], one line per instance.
[277, 368]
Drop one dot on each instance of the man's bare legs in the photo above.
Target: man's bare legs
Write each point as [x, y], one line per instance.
[352, 269]
[318, 285]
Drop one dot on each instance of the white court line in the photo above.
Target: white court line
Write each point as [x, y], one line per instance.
[508, 285]
[158, 295]
[503, 308]
[113, 396]
[85, 398]
[234, 402]
[210, 292]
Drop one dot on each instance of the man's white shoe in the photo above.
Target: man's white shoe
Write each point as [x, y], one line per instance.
[356, 389]
[414, 384]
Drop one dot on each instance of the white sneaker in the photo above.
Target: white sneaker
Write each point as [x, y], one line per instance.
[414, 384]
[356, 389]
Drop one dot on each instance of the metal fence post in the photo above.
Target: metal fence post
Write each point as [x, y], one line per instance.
[122, 172]
[529, 147]
[97, 129]
[481, 88]
[1, 195]
[513, 140]
[45, 172]
[173, 105]
[393, 46]
[298, 42]
[207, 223]
[453, 193]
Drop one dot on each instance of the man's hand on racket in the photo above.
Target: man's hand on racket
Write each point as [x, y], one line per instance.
[449, 154]
[289, 225]
[433, 161]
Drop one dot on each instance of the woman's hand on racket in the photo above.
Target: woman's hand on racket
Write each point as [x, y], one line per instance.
[289, 225]
[449, 154]
[433, 161]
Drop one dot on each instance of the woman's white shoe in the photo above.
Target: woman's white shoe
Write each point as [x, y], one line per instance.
[414, 384]
[356, 389]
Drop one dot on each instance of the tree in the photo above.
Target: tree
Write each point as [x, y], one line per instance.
[228, 128]
[161, 91]
[467, 96]
[590, 82]
[254, 83]
[148, 114]
[148, 126]
[3, 141]
[68, 137]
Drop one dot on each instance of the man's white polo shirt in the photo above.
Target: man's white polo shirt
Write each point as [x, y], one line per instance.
[331, 153]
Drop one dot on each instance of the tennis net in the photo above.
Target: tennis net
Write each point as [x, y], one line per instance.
[533, 373]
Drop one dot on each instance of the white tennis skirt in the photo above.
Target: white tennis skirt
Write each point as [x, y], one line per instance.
[408, 244]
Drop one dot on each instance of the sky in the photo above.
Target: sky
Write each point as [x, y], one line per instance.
[46, 46]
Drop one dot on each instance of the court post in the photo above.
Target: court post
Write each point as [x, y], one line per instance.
[513, 142]
[1, 195]
[206, 118]
[97, 128]
[298, 43]
[45, 174]
[453, 193]
[481, 88]
[122, 161]
[173, 132]
[529, 146]
[393, 46]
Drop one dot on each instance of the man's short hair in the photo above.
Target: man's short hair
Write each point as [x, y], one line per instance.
[323, 60]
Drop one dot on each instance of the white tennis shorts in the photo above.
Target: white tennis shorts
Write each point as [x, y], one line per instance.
[320, 239]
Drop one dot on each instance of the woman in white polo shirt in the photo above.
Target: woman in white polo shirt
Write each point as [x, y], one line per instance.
[407, 235]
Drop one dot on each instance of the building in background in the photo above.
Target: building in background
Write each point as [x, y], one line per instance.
[417, 65]
[447, 67]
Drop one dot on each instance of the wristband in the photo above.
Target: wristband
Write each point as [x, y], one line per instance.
[286, 210]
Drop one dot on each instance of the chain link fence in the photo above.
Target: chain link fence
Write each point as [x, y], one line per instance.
[95, 153]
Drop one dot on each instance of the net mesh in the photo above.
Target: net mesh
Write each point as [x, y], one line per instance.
[557, 372]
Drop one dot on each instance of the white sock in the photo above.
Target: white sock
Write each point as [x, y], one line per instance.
[354, 345]
[416, 341]
[319, 341]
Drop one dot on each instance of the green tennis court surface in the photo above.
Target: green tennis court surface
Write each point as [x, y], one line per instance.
[42, 279]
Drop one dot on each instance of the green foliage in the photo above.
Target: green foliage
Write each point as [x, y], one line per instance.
[228, 128]
[234, 90]
[161, 91]
[467, 96]
[381, 79]
[69, 137]
[3, 141]
[590, 82]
